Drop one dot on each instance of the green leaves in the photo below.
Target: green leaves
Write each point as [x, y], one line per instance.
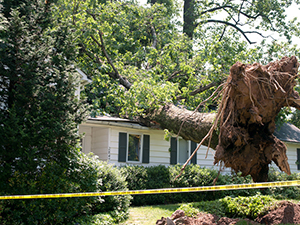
[146, 95]
[146, 47]
[247, 207]
[39, 111]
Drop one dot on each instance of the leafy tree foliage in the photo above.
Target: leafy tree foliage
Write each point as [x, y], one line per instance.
[140, 59]
[39, 110]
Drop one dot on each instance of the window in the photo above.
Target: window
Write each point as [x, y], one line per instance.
[134, 147]
[181, 150]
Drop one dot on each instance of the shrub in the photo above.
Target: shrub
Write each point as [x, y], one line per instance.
[192, 176]
[236, 178]
[214, 207]
[139, 178]
[247, 207]
[283, 192]
[112, 180]
[84, 174]
[189, 209]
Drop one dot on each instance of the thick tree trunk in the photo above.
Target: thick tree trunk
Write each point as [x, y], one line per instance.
[189, 18]
[189, 125]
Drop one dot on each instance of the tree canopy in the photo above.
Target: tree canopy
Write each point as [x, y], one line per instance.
[139, 58]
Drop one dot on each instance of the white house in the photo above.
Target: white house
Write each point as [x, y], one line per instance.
[121, 141]
[290, 135]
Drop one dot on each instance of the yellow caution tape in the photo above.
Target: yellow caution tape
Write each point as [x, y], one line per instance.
[159, 191]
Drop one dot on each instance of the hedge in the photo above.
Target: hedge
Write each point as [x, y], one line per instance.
[153, 177]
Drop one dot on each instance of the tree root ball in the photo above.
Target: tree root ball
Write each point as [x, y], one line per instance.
[252, 97]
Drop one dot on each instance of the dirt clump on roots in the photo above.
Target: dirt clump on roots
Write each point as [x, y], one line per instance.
[252, 97]
[285, 212]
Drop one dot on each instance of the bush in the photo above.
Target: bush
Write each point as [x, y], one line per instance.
[283, 192]
[239, 207]
[112, 180]
[84, 174]
[214, 207]
[192, 176]
[247, 207]
[236, 178]
[140, 178]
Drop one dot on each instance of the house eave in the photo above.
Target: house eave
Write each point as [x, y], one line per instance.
[122, 123]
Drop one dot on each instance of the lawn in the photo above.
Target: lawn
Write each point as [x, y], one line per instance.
[145, 215]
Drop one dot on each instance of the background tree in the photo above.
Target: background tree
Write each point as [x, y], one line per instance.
[39, 115]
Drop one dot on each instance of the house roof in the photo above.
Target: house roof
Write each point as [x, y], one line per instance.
[115, 121]
[288, 133]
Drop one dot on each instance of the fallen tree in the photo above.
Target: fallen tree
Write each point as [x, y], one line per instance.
[253, 95]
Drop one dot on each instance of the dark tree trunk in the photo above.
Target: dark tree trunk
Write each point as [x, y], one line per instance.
[189, 18]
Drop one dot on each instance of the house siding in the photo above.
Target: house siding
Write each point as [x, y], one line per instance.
[86, 133]
[100, 143]
[159, 148]
[292, 156]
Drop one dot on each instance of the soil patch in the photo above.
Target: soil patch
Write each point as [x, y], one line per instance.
[285, 213]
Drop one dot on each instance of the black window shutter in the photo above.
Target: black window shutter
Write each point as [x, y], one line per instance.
[122, 147]
[298, 158]
[193, 147]
[146, 149]
[173, 158]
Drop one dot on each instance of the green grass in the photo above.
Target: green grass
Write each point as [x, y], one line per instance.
[145, 215]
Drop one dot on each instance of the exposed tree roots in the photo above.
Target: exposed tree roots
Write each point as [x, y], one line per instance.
[252, 97]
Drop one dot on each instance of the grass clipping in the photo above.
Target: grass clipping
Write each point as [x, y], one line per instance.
[253, 95]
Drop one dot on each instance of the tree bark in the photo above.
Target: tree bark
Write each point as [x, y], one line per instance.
[189, 18]
[189, 125]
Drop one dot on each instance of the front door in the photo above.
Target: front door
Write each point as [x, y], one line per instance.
[183, 151]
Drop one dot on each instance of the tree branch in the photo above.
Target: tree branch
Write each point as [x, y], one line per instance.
[229, 24]
[121, 79]
[115, 75]
[174, 75]
[154, 37]
[202, 89]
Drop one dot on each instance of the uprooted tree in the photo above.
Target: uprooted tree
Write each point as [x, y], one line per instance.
[253, 95]
[143, 67]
